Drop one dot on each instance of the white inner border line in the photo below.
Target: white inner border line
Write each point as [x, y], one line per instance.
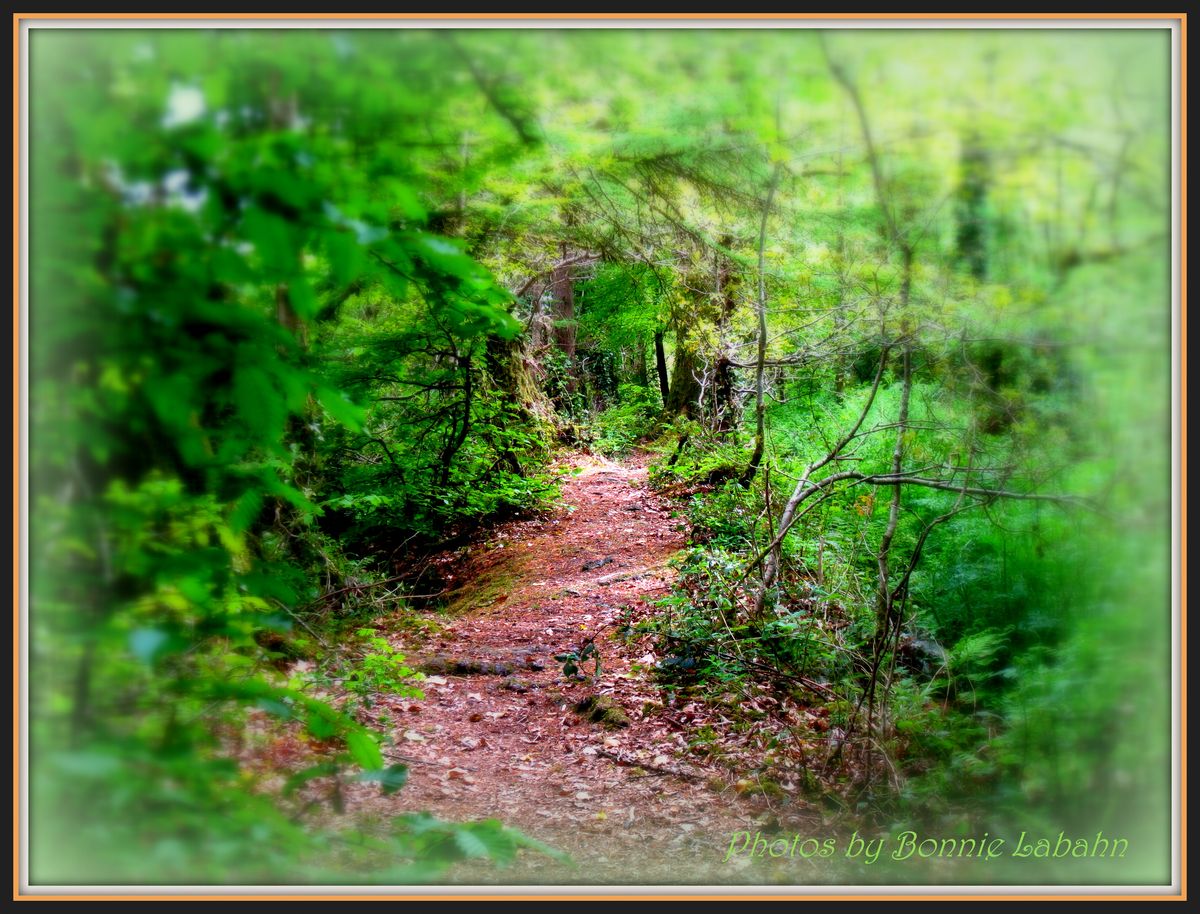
[334, 22]
[550, 23]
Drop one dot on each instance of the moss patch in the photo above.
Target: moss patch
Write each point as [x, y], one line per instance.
[602, 709]
[488, 590]
[465, 666]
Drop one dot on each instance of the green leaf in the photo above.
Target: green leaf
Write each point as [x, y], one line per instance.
[444, 255]
[523, 840]
[320, 726]
[341, 408]
[275, 240]
[258, 402]
[302, 298]
[471, 844]
[404, 199]
[391, 778]
[364, 750]
[346, 256]
[290, 494]
[277, 708]
[245, 510]
[286, 187]
[300, 778]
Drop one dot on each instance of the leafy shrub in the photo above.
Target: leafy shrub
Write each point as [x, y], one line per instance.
[724, 517]
[617, 429]
[381, 669]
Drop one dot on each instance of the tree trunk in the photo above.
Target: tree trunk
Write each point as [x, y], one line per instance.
[458, 434]
[505, 362]
[724, 407]
[685, 389]
[563, 312]
[641, 367]
[563, 320]
[760, 409]
[883, 602]
[536, 330]
[660, 364]
[972, 206]
[884, 599]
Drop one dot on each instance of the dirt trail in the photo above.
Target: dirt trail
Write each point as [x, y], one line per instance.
[504, 739]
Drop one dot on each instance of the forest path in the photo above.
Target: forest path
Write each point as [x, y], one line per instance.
[498, 734]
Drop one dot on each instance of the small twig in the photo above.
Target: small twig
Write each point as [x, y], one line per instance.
[646, 766]
[394, 756]
[396, 580]
[291, 612]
